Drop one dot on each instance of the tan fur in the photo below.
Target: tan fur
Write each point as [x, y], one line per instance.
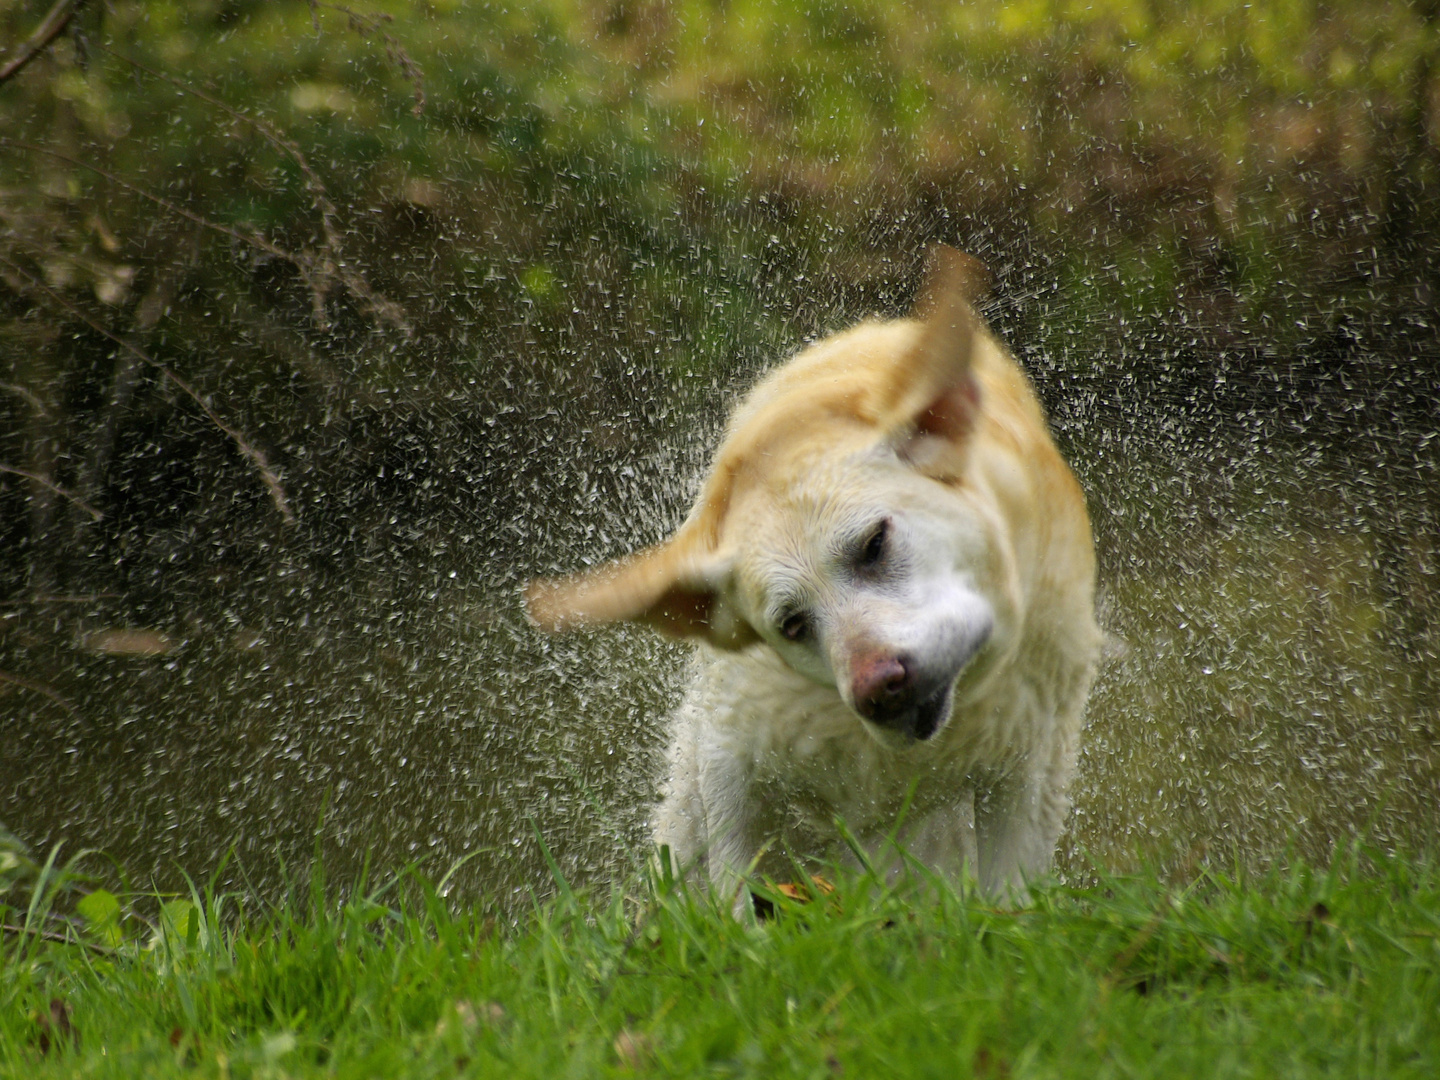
[951, 670]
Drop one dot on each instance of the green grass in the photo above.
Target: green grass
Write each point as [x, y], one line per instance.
[1303, 973]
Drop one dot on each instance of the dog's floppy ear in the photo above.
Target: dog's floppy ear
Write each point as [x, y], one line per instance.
[933, 399]
[667, 586]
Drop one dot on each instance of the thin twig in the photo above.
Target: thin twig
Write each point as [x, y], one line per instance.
[252, 454]
[40, 688]
[271, 135]
[88, 598]
[332, 266]
[55, 935]
[56, 488]
[49, 29]
[31, 398]
[253, 238]
[371, 24]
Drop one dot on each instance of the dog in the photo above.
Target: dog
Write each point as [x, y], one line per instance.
[890, 574]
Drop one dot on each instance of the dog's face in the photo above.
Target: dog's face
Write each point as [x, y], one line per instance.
[864, 574]
[843, 527]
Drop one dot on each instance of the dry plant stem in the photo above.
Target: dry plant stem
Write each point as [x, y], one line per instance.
[124, 381]
[53, 935]
[291, 347]
[56, 19]
[44, 432]
[42, 689]
[301, 263]
[317, 272]
[122, 388]
[31, 398]
[255, 456]
[88, 598]
[370, 24]
[56, 488]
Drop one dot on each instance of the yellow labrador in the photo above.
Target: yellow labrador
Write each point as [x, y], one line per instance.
[890, 575]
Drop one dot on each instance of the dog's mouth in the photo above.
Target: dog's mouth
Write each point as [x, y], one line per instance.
[931, 713]
[918, 723]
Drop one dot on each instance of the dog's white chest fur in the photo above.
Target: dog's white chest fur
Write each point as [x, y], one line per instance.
[782, 764]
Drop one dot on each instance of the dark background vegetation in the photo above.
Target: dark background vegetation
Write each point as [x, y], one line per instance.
[323, 328]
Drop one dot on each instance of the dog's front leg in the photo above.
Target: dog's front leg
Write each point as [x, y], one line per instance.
[942, 841]
[726, 779]
[1017, 823]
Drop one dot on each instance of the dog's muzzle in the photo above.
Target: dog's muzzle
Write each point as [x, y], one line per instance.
[919, 721]
[888, 692]
[905, 698]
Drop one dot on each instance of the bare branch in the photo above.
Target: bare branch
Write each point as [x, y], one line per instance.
[54, 935]
[31, 398]
[56, 488]
[364, 25]
[252, 238]
[124, 380]
[271, 135]
[40, 688]
[315, 271]
[88, 598]
[292, 347]
[49, 29]
[252, 454]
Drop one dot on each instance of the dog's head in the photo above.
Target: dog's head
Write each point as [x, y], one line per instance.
[843, 524]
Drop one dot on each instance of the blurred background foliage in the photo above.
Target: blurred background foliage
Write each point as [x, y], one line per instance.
[320, 327]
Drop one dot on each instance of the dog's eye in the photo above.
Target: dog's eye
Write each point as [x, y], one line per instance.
[796, 627]
[875, 546]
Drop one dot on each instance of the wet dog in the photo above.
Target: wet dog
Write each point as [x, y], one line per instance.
[890, 575]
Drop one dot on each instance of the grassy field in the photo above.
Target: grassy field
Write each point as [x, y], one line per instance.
[1307, 972]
